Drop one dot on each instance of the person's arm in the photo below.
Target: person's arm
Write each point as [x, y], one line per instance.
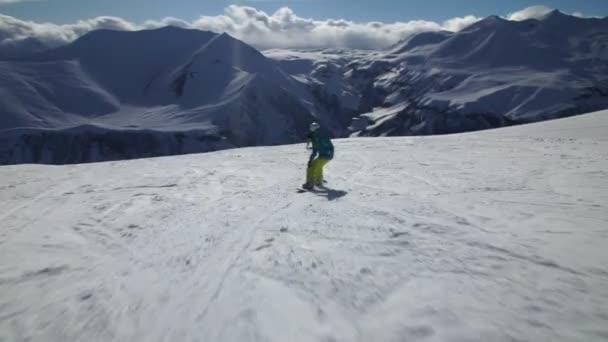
[308, 140]
[314, 153]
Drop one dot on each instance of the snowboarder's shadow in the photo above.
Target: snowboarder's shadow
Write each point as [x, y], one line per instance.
[331, 194]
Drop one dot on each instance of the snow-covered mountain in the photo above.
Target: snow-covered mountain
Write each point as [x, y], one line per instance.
[497, 235]
[179, 91]
[173, 90]
[493, 73]
[17, 49]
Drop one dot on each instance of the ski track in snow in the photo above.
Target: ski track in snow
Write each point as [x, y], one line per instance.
[490, 236]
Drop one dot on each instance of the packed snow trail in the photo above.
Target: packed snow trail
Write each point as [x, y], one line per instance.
[491, 236]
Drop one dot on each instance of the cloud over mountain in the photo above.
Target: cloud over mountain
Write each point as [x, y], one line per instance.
[281, 29]
[535, 12]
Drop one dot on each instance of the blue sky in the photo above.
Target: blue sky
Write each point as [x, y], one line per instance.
[65, 11]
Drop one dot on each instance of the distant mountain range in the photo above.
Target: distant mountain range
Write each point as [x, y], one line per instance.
[494, 73]
[115, 95]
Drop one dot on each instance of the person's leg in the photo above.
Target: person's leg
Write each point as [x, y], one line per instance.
[319, 171]
[310, 173]
[315, 171]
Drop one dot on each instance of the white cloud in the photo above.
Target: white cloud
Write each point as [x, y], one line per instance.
[533, 12]
[13, 29]
[285, 29]
[537, 12]
[457, 24]
[282, 28]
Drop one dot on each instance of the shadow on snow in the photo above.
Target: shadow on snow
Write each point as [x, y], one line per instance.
[330, 194]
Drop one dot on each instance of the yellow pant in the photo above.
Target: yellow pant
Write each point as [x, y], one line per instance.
[314, 172]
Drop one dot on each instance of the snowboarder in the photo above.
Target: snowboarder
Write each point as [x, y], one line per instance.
[322, 153]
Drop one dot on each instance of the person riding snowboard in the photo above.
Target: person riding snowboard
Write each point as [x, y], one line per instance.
[322, 153]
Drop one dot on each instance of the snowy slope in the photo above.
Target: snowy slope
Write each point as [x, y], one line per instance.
[45, 94]
[498, 235]
[125, 62]
[17, 49]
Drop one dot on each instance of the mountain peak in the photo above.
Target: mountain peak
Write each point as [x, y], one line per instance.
[557, 15]
[171, 28]
[494, 19]
[223, 42]
[420, 39]
[491, 21]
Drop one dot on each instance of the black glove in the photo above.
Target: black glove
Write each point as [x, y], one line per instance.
[309, 163]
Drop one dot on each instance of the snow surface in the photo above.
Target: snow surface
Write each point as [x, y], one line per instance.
[490, 236]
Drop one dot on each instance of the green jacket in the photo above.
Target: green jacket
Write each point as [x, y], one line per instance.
[321, 146]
